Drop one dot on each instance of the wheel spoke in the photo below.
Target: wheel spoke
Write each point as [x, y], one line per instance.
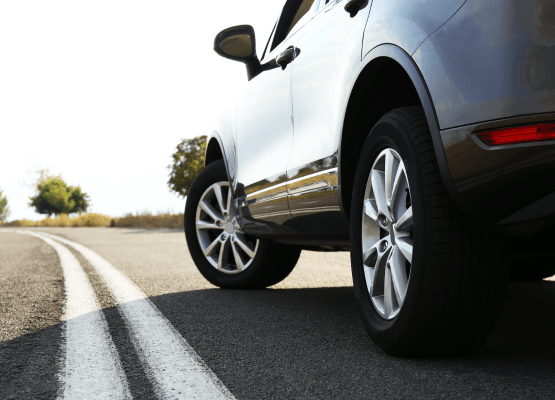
[388, 295]
[379, 259]
[378, 186]
[399, 275]
[228, 205]
[208, 225]
[211, 211]
[240, 240]
[404, 244]
[373, 255]
[396, 184]
[369, 257]
[237, 256]
[219, 198]
[370, 210]
[222, 258]
[390, 172]
[405, 222]
[212, 247]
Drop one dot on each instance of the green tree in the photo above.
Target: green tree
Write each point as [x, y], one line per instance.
[54, 196]
[4, 209]
[188, 161]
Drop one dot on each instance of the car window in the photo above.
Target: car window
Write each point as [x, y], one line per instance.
[303, 9]
[293, 11]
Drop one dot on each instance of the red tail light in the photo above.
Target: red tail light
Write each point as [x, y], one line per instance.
[519, 134]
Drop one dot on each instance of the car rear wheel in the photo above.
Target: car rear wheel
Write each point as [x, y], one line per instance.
[223, 253]
[428, 280]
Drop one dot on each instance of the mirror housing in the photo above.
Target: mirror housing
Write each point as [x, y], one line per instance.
[238, 43]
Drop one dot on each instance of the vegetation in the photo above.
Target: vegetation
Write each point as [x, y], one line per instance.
[64, 220]
[147, 221]
[54, 196]
[188, 161]
[140, 220]
[4, 209]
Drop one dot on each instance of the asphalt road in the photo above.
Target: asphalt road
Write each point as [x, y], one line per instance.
[300, 339]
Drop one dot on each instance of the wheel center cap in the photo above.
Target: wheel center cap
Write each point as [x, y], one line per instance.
[229, 227]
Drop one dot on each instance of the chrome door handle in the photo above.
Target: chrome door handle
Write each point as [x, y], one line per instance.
[287, 56]
[354, 6]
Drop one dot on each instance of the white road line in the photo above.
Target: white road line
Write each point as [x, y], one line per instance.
[173, 367]
[92, 369]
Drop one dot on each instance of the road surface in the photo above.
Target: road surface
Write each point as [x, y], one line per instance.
[123, 313]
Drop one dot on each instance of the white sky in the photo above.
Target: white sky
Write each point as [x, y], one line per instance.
[101, 92]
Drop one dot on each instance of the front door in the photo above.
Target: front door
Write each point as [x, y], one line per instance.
[265, 125]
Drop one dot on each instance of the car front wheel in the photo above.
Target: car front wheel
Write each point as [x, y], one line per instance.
[223, 253]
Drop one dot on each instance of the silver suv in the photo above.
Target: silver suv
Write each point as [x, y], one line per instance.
[419, 134]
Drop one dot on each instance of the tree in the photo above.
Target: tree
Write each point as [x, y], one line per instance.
[188, 161]
[54, 196]
[4, 209]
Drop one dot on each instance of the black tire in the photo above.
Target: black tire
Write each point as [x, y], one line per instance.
[273, 262]
[459, 270]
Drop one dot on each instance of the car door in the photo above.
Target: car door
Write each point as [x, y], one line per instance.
[265, 124]
[331, 46]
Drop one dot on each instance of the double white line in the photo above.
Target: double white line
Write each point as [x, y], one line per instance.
[92, 367]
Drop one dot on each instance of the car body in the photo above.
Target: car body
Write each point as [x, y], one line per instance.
[418, 134]
[292, 140]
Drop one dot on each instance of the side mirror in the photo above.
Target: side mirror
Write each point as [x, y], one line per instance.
[238, 43]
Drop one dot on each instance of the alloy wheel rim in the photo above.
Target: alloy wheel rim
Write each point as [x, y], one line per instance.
[224, 244]
[387, 233]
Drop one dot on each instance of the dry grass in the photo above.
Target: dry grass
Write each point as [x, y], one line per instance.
[142, 220]
[64, 220]
[146, 220]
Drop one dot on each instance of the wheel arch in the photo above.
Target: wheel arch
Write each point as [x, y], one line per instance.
[221, 148]
[213, 151]
[372, 96]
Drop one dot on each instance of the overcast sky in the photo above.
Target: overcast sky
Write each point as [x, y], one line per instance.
[101, 92]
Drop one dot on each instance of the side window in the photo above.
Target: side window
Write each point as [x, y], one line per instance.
[292, 13]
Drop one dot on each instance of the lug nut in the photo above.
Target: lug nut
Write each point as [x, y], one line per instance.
[219, 224]
[224, 237]
[383, 246]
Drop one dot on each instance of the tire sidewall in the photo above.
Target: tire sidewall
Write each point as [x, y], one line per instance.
[389, 132]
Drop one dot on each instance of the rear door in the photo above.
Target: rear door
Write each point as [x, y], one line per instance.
[265, 125]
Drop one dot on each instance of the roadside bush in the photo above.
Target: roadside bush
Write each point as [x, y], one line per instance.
[21, 223]
[90, 220]
[54, 196]
[188, 161]
[4, 209]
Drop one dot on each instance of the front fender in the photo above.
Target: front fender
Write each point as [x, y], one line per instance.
[222, 146]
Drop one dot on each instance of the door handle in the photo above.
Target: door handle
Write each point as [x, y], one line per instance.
[287, 56]
[354, 6]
